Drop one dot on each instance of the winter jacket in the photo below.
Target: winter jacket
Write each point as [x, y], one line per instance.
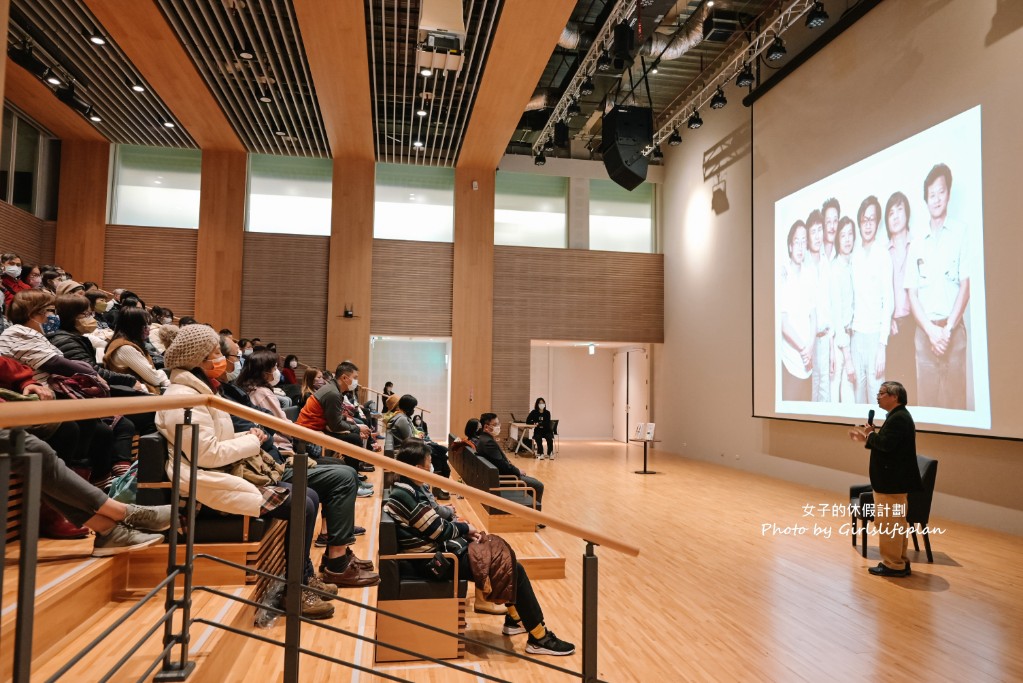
[79, 347]
[492, 566]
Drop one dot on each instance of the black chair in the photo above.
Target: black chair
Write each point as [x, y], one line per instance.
[918, 506]
[557, 440]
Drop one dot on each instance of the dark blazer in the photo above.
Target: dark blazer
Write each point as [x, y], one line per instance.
[542, 420]
[488, 448]
[893, 467]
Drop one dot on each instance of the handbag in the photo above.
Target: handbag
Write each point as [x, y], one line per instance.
[441, 568]
[260, 470]
[79, 385]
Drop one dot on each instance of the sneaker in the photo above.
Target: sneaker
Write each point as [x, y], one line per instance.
[364, 493]
[321, 541]
[358, 531]
[123, 539]
[365, 467]
[315, 608]
[550, 644]
[317, 583]
[512, 627]
[148, 518]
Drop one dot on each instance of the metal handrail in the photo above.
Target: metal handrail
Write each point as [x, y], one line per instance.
[18, 415]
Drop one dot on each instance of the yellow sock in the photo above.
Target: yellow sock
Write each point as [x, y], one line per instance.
[539, 632]
[513, 613]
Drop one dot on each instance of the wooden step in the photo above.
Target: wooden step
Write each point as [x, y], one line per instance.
[531, 548]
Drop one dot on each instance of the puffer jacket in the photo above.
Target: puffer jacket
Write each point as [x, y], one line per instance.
[219, 445]
[79, 347]
[492, 562]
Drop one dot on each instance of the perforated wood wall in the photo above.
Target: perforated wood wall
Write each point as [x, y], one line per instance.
[26, 235]
[284, 293]
[158, 264]
[567, 294]
[411, 288]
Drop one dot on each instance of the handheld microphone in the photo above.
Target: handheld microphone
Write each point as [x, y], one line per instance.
[870, 417]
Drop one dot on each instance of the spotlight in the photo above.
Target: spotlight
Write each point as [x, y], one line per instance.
[67, 95]
[280, 133]
[573, 110]
[93, 116]
[425, 72]
[548, 145]
[604, 62]
[658, 154]
[777, 50]
[264, 97]
[52, 78]
[95, 38]
[817, 16]
[244, 51]
[540, 159]
[23, 57]
[675, 139]
[421, 111]
[718, 101]
[134, 84]
[745, 78]
[418, 144]
[694, 120]
[656, 66]
[587, 87]
[167, 123]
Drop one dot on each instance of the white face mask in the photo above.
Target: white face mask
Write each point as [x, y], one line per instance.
[275, 380]
[541, 406]
[166, 321]
[495, 431]
[293, 364]
[247, 352]
[233, 375]
[13, 271]
[354, 385]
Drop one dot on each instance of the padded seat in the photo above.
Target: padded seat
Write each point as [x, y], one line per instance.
[399, 579]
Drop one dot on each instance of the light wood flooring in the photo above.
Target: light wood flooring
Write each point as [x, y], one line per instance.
[713, 598]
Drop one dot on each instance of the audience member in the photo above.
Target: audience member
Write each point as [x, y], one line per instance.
[324, 412]
[127, 352]
[11, 276]
[439, 454]
[257, 379]
[487, 446]
[541, 417]
[288, 371]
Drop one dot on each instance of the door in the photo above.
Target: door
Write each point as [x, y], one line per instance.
[631, 392]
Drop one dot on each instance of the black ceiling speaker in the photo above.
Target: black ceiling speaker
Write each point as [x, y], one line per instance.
[627, 131]
[624, 42]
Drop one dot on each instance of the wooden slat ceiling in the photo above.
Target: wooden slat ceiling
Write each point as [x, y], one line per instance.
[28, 94]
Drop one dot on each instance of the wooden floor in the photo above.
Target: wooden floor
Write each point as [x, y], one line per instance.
[714, 598]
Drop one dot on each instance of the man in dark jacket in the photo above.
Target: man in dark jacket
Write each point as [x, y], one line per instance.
[487, 447]
[893, 474]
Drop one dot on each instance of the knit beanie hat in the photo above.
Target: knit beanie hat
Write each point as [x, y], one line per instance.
[191, 347]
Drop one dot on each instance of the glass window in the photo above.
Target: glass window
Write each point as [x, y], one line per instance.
[621, 220]
[530, 210]
[414, 203]
[6, 146]
[156, 187]
[289, 195]
[26, 162]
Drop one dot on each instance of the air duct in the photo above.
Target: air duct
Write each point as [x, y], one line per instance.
[688, 36]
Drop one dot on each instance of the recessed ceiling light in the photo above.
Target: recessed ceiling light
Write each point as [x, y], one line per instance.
[95, 38]
[167, 123]
[420, 112]
[244, 51]
[417, 144]
[265, 99]
[281, 133]
[53, 79]
[93, 116]
[425, 72]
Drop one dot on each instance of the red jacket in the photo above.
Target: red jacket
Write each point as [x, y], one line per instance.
[14, 375]
[11, 287]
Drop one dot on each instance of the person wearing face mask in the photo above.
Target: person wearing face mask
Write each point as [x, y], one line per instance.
[257, 379]
[288, 371]
[487, 446]
[541, 417]
[127, 350]
[160, 317]
[11, 277]
[312, 380]
[324, 412]
[439, 453]
[32, 277]
[196, 361]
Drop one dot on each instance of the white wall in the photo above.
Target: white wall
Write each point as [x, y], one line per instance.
[417, 368]
[576, 386]
[704, 368]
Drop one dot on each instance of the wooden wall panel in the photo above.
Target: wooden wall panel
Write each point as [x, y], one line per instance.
[412, 288]
[158, 264]
[284, 293]
[82, 208]
[34, 98]
[568, 294]
[218, 273]
[351, 263]
[22, 233]
[472, 312]
[47, 242]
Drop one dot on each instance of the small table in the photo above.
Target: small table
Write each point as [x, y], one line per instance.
[646, 444]
[525, 442]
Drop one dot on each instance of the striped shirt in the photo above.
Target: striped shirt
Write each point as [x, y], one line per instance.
[420, 528]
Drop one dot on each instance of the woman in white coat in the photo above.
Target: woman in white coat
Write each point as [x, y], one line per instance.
[195, 361]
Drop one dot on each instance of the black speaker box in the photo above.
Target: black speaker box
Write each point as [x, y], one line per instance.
[626, 131]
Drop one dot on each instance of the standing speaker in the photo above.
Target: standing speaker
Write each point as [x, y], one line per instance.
[626, 131]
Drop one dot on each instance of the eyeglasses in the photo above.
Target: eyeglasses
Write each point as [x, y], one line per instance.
[233, 355]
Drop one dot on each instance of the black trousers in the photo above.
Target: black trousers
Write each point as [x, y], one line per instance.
[539, 439]
[312, 505]
[439, 459]
[525, 604]
[352, 438]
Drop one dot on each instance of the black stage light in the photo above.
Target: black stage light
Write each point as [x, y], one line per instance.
[540, 159]
[675, 139]
[695, 121]
[658, 154]
[777, 50]
[745, 78]
[817, 16]
[573, 110]
[718, 101]
[587, 87]
[604, 62]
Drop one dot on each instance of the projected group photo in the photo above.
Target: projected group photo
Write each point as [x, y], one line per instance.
[879, 277]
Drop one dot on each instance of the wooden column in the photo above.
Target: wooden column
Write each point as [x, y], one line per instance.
[82, 208]
[5, 8]
[472, 308]
[350, 275]
[218, 261]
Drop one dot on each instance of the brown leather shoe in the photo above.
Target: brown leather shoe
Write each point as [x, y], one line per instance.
[352, 577]
[315, 608]
[359, 562]
[320, 585]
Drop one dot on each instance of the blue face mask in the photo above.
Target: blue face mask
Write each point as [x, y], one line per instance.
[52, 323]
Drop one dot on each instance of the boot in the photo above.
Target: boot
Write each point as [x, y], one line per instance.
[52, 524]
[483, 606]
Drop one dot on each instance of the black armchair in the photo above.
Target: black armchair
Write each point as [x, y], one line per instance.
[918, 510]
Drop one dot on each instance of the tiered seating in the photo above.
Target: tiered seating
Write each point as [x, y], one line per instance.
[480, 473]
